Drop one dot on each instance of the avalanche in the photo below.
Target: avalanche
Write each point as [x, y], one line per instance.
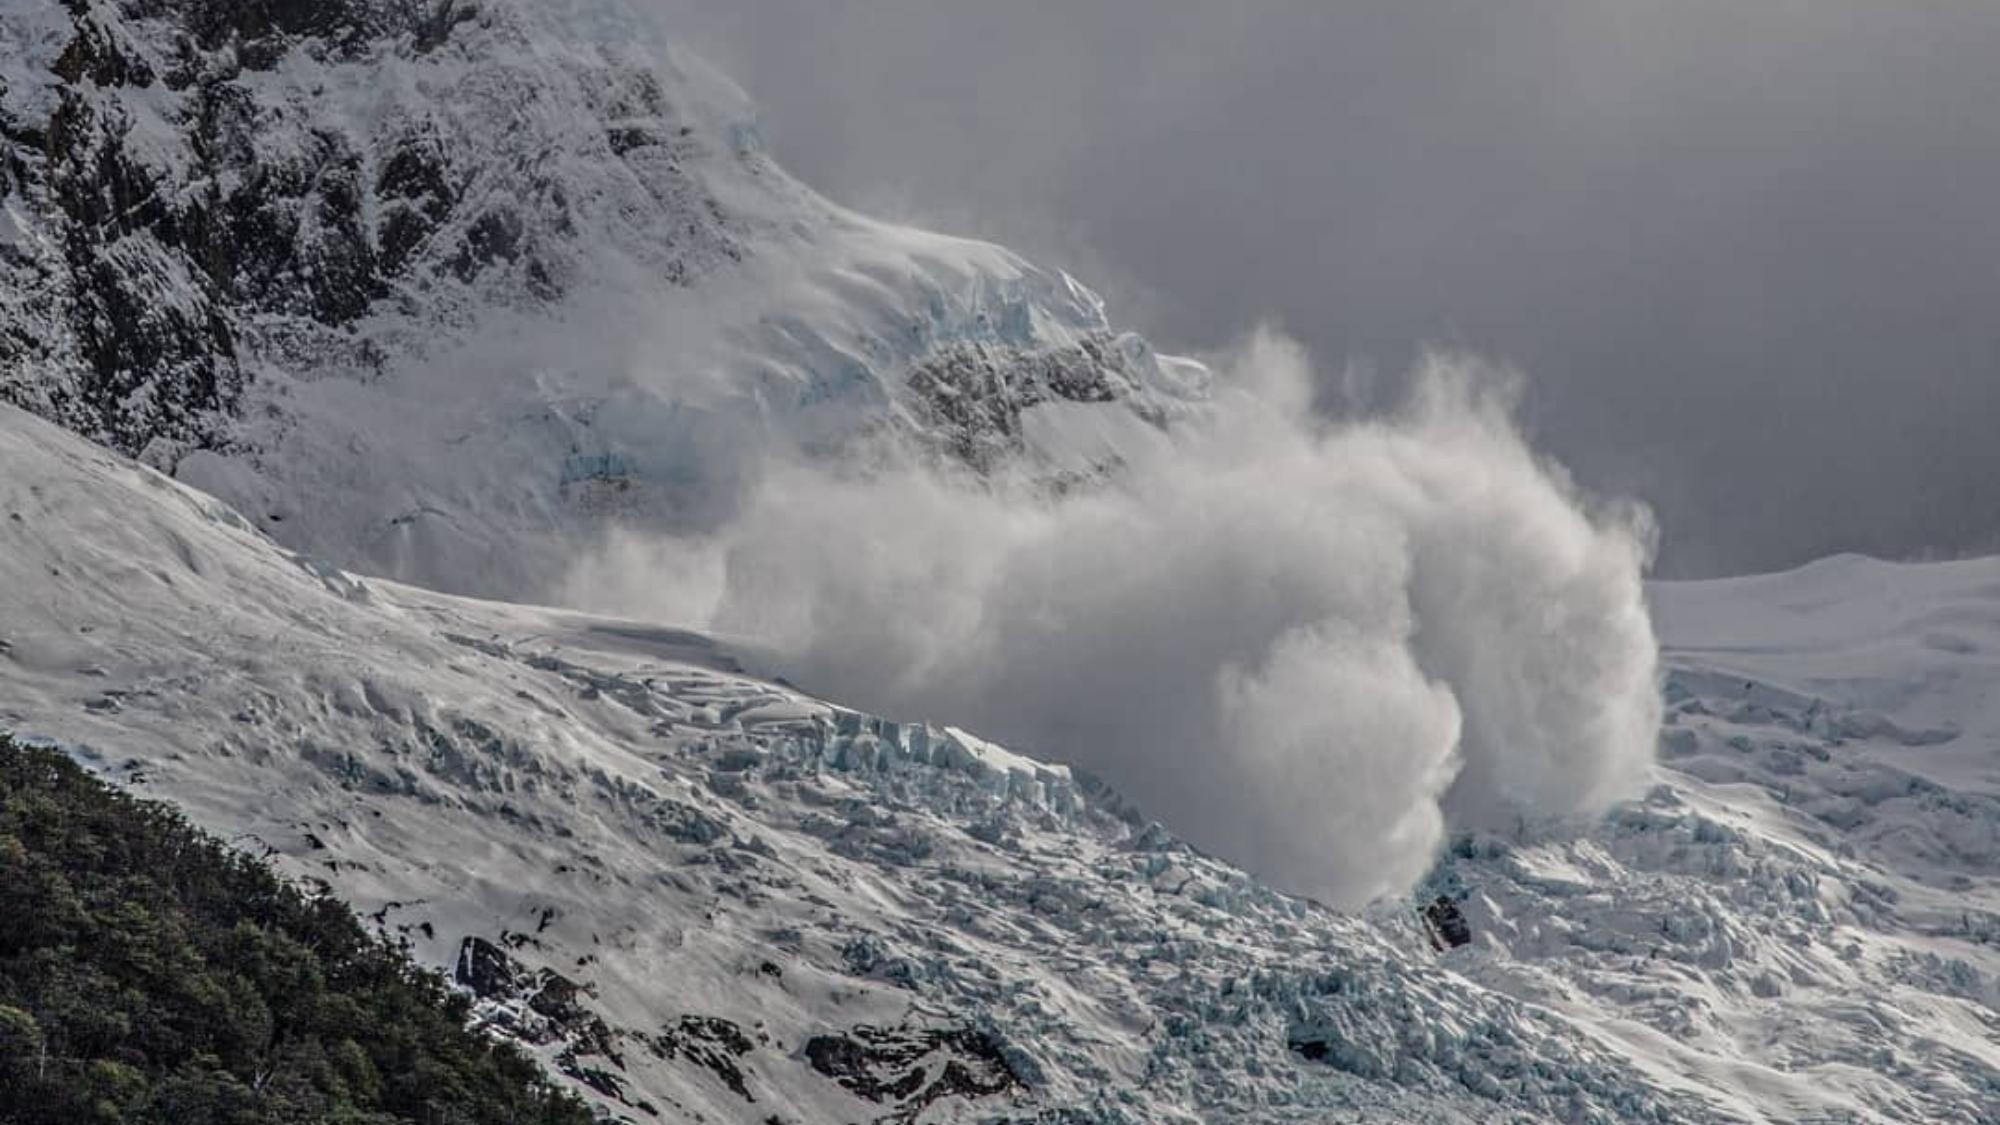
[697, 892]
[447, 292]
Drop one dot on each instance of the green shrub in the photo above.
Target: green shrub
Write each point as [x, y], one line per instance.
[148, 973]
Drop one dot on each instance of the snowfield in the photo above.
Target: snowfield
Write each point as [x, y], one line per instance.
[508, 300]
[703, 895]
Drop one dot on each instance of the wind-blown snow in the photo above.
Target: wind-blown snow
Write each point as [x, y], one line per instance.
[1320, 649]
[1307, 646]
[1804, 916]
[1795, 923]
[719, 868]
[1310, 648]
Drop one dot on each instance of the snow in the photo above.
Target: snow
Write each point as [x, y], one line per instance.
[800, 347]
[1795, 923]
[1911, 649]
[1799, 921]
[803, 321]
[656, 825]
[662, 299]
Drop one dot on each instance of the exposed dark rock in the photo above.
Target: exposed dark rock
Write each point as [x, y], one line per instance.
[557, 999]
[489, 971]
[1446, 924]
[971, 396]
[711, 1043]
[597, 1078]
[687, 824]
[434, 27]
[221, 221]
[494, 237]
[541, 1007]
[909, 1068]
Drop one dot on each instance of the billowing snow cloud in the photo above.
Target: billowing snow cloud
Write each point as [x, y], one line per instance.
[1308, 646]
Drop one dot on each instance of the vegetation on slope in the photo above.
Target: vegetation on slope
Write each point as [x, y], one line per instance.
[150, 973]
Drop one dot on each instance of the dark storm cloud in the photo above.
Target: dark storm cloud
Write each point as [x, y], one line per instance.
[1748, 251]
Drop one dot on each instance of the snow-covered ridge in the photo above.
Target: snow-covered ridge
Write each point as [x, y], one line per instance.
[448, 287]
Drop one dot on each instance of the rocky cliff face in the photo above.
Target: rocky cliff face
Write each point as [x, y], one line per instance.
[196, 189]
[427, 281]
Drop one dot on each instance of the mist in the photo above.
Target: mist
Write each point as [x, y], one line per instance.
[1746, 248]
[1313, 647]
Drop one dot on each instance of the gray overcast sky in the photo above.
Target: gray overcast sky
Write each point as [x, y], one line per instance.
[1748, 251]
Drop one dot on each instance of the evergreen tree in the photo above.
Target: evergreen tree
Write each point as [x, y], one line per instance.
[148, 973]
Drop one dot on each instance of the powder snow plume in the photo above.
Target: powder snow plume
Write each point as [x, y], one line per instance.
[1313, 647]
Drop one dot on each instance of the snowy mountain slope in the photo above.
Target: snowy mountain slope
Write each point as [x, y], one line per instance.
[442, 291]
[691, 888]
[443, 288]
[1912, 646]
[704, 893]
[1804, 917]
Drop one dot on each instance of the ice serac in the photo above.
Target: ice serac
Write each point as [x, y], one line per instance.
[693, 892]
[446, 286]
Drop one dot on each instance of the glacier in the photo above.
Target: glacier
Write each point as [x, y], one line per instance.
[416, 304]
[696, 891]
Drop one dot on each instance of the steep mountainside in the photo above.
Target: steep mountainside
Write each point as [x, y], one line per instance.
[702, 895]
[446, 285]
[198, 186]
